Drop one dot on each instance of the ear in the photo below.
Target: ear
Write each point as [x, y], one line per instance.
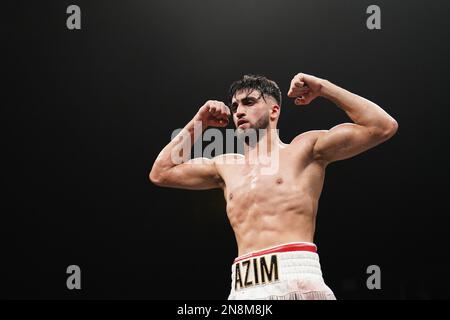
[274, 112]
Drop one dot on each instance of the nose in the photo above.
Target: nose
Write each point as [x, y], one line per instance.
[240, 111]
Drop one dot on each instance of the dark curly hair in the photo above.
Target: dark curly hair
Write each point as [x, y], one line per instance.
[266, 86]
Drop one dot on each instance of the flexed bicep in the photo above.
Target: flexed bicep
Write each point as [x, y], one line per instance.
[345, 141]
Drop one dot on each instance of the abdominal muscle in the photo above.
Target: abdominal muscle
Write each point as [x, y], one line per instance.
[269, 213]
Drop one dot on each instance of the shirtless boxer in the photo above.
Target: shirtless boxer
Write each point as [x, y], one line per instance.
[273, 215]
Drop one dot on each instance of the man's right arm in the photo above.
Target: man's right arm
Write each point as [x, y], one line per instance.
[172, 169]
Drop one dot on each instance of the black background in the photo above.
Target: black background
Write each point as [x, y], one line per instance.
[86, 112]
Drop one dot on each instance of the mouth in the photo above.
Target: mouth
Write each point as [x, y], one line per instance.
[241, 122]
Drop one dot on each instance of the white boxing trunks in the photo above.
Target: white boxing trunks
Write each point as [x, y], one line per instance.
[285, 272]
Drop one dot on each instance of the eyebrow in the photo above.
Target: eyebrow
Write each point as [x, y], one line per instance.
[244, 100]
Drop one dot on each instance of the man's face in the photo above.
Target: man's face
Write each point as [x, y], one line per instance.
[249, 110]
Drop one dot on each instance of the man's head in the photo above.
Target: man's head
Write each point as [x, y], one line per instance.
[255, 102]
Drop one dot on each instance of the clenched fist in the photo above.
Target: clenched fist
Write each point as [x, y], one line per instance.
[305, 88]
[213, 113]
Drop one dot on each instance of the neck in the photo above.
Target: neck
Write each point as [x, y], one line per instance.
[267, 143]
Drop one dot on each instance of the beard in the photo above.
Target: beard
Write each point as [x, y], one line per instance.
[259, 129]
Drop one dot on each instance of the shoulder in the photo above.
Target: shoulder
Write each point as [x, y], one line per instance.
[228, 159]
[308, 137]
[219, 161]
[304, 145]
[225, 165]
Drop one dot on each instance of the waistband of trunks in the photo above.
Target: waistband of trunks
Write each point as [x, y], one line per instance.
[286, 247]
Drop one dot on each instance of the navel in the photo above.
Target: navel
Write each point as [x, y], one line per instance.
[280, 180]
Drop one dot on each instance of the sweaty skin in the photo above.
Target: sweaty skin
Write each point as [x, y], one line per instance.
[265, 210]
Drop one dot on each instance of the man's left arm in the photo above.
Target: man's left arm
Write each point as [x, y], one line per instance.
[371, 124]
